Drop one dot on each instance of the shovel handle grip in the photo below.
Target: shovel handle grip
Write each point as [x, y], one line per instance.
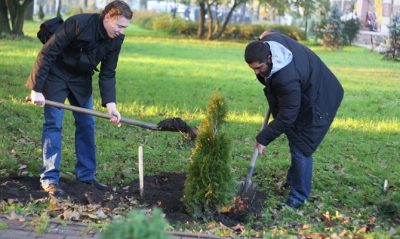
[99, 114]
[252, 164]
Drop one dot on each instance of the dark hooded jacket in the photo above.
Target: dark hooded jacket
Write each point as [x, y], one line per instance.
[67, 61]
[303, 97]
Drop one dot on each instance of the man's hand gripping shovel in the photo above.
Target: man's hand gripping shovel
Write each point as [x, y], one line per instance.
[247, 189]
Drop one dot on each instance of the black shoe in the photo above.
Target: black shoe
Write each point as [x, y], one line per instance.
[54, 189]
[293, 204]
[96, 184]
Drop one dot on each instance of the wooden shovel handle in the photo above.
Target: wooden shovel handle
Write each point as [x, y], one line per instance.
[100, 114]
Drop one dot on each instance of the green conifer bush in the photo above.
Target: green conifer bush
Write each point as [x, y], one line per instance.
[333, 31]
[137, 225]
[393, 51]
[209, 184]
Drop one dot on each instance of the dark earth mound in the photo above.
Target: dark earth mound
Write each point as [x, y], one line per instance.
[164, 191]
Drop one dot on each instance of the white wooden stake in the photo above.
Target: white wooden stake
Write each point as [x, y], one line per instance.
[141, 185]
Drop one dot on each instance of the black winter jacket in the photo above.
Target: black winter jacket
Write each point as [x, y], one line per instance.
[69, 58]
[303, 98]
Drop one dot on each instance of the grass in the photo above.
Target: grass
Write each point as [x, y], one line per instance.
[159, 77]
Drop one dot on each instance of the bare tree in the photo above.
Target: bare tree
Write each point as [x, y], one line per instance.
[12, 16]
[228, 18]
[4, 25]
[202, 18]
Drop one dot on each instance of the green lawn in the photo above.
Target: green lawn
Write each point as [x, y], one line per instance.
[160, 77]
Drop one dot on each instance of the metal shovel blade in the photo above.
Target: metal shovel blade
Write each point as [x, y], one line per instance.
[247, 190]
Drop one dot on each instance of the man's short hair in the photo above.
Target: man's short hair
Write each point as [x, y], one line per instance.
[118, 8]
[257, 51]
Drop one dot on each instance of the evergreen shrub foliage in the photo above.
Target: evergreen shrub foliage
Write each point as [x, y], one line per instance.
[162, 21]
[209, 185]
[393, 51]
[333, 32]
[144, 18]
[351, 29]
[179, 26]
[182, 27]
[137, 225]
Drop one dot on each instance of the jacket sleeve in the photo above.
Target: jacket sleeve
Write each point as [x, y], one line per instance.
[289, 101]
[107, 79]
[49, 53]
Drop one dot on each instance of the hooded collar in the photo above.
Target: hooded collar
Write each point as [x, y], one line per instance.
[281, 56]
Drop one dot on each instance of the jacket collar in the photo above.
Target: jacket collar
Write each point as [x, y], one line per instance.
[281, 56]
[101, 31]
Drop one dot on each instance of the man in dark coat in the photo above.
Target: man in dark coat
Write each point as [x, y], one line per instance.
[303, 96]
[64, 69]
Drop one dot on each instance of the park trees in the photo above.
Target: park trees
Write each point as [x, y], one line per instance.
[12, 13]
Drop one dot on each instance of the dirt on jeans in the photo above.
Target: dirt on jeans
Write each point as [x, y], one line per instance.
[164, 191]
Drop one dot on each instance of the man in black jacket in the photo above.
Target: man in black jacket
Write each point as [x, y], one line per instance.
[64, 69]
[303, 96]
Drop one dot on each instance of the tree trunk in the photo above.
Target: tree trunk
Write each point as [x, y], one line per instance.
[17, 13]
[4, 24]
[201, 19]
[226, 21]
[29, 12]
[216, 27]
[210, 21]
[258, 11]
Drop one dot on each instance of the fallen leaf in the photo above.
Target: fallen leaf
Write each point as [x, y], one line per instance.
[315, 236]
[362, 230]
[343, 233]
[306, 227]
[71, 215]
[15, 217]
[238, 228]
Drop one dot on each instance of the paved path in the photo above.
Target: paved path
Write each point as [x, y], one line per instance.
[64, 230]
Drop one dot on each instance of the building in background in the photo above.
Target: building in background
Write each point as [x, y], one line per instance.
[374, 15]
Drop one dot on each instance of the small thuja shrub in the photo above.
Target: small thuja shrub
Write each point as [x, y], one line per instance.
[209, 184]
[393, 50]
[137, 225]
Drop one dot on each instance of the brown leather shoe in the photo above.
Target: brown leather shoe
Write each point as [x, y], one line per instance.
[54, 189]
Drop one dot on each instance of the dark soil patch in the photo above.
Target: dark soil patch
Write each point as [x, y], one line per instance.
[164, 191]
[177, 125]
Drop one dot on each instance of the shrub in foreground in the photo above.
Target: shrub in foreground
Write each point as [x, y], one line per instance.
[137, 225]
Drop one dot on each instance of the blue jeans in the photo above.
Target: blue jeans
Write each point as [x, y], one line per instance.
[299, 177]
[85, 148]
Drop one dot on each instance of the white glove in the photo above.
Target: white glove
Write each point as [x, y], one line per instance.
[37, 98]
[112, 110]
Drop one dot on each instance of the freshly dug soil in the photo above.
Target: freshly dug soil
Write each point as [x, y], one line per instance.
[164, 191]
[177, 125]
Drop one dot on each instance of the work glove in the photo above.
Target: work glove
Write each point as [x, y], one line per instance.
[116, 116]
[37, 98]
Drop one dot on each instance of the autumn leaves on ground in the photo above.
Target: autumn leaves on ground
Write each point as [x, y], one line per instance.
[160, 78]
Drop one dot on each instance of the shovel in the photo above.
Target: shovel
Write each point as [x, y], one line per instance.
[247, 189]
[172, 124]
